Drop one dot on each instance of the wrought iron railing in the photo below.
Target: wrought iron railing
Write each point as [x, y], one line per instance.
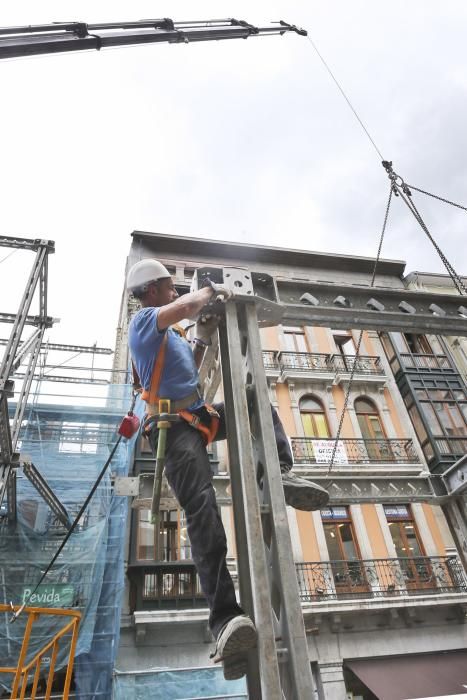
[320, 362]
[380, 578]
[425, 361]
[305, 361]
[364, 364]
[270, 361]
[353, 451]
[171, 584]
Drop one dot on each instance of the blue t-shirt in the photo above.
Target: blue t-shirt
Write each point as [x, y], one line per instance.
[180, 375]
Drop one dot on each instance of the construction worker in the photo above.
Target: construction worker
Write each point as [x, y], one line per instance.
[159, 348]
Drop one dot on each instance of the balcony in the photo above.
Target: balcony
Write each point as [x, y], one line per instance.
[380, 578]
[319, 366]
[311, 451]
[169, 586]
[425, 363]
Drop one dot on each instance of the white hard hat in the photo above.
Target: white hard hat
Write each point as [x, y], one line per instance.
[144, 272]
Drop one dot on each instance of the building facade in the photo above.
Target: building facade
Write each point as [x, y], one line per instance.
[381, 576]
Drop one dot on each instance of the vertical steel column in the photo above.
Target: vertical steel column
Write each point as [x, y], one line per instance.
[27, 381]
[455, 512]
[295, 668]
[263, 679]
[13, 355]
[18, 326]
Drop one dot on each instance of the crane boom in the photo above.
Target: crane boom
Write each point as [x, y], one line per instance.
[78, 36]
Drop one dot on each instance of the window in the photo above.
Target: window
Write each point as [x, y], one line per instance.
[313, 418]
[347, 569]
[420, 344]
[345, 344]
[346, 349]
[369, 420]
[372, 430]
[415, 567]
[295, 340]
[173, 544]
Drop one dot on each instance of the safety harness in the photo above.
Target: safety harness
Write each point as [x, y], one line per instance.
[179, 407]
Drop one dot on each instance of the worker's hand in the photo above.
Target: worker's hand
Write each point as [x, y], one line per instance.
[221, 293]
[205, 329]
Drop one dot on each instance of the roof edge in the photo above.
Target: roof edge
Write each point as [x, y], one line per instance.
[243, 251]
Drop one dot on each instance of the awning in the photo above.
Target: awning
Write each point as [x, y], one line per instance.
[415, 676]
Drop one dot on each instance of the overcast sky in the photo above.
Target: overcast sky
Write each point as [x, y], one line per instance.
[243, 141]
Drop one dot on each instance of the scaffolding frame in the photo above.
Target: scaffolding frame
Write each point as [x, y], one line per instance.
[24, 668]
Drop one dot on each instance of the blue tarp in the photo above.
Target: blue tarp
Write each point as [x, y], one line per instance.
[185, 684]
[89, 574]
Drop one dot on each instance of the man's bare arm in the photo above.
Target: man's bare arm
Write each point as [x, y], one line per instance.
[186, 306]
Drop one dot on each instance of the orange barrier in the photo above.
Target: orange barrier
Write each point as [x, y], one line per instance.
[23, 670]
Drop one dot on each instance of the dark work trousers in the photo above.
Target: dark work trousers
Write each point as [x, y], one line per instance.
[188, 472]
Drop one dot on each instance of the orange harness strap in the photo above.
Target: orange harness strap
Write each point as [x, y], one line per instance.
[152, 396]
[208, 432]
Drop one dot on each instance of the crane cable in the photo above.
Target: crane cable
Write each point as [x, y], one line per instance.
[400, 189]
[360, 337]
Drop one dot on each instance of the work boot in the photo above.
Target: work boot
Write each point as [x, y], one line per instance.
[301, 493]
[234, 642]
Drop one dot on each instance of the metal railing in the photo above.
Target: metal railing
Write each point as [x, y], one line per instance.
[380, 578]
[364, 364]
[425, 362]
[354, 451]
[270, 361]
[171, 584]
[305, 361]
[37, 674]
[451, 446]
[274, 360]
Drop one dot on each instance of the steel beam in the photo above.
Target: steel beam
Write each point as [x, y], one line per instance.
[90, 349]
[455, 478]
[21, 317]
[393, 488]
[66, 380]
[284, 665]
[455, 512]
[43, 488]
[27, 381]
[251, 561]
[296, 303]
[26, 243]
[29, 321]
[295, 669]
[372, 308]
[14, 355]
[79, 36]
[25, 348]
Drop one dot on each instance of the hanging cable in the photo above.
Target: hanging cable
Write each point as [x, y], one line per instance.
[435, 196]
[345, 96]
[73, 526]
[9, 255]
[402, 190]
[359, 342]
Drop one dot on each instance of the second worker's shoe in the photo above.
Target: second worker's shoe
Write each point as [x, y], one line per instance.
[234, 642]
[303, 494]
